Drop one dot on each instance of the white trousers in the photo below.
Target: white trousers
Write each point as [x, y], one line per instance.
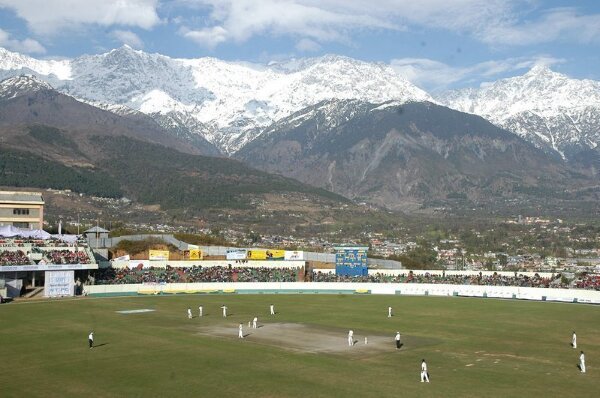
[582, 366]
[350, 341]
[424, 377]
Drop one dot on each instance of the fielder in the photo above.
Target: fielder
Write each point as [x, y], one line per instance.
[582, 362]
[424, 374]
[389, 312]
[254, 323]
[224, 307]
[241, 331]
[397, 340]
[574, 340]
[91, 340]
[189, 313]
[350, 338]
[272, 308]
[200, 311]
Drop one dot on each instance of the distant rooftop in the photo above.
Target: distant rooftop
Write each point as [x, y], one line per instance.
[21, 197]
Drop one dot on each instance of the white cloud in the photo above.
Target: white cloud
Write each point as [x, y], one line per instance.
[56, 16]
[28, 46]
[128, 37]
[207, 37]
[494, 22]
[239, 20]
[307, 45]
[557, 24]
[434, 75]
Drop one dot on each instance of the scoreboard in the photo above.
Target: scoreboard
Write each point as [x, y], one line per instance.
[351, 260]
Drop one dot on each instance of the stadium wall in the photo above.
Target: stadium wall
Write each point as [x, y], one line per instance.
[206, 263]
[394, 272]
[408, 289]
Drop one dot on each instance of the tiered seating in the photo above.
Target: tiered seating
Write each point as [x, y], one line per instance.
[66, 257]
[481, 280]
[18, 257]
[19, 251]
[110, 276]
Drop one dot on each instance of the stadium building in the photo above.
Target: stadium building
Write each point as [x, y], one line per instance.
[21, 209]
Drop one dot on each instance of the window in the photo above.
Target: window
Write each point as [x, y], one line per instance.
[21, 224]
[21, 212]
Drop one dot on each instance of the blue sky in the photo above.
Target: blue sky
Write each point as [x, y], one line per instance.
[437, 44]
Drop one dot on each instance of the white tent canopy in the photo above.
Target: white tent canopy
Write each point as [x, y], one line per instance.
[9, 231]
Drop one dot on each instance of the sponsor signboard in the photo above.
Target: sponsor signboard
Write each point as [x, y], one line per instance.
[256, 254]
[275, 254]
[235, 254]
[158, 255]
[293, 255]
[195, 254]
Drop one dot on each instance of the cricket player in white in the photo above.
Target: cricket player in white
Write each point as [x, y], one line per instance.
[582, 362]
[241, 331]
[224, 311]
[189, 313]
[424, 375]
[389, 312]
[350, 338]
[574, 340]
[272, 308]
[200, 311]
[254, 323]
[397, 340]
[91, 339]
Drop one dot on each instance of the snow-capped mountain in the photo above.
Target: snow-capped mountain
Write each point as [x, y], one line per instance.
[549, 109]
[229, 103]
[18, 85]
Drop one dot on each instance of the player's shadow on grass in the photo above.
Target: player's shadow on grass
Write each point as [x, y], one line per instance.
[101, 345]
[259, 326]
[399, 346]
[247, 334]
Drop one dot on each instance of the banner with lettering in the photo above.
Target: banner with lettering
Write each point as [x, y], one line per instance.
[59, 283]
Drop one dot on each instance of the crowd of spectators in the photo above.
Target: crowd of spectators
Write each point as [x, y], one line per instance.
[477, 279]
[588, 281]
[16, 257]
[110, 276]
[66, 257]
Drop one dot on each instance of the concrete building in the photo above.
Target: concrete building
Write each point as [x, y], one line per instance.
[22, 209]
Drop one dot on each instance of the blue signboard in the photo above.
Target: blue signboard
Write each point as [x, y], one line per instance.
[351, 261]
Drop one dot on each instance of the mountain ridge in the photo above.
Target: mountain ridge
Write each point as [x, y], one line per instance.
[234, 101]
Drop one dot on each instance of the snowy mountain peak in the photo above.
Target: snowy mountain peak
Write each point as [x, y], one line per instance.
[540, 70]
[20, 85]
[545, 107]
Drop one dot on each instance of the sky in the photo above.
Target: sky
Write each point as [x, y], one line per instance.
[436, 44]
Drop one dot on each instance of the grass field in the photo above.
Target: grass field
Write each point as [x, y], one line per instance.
[474, 348]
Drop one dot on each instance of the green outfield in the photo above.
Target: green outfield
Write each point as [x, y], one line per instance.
[474, 347]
